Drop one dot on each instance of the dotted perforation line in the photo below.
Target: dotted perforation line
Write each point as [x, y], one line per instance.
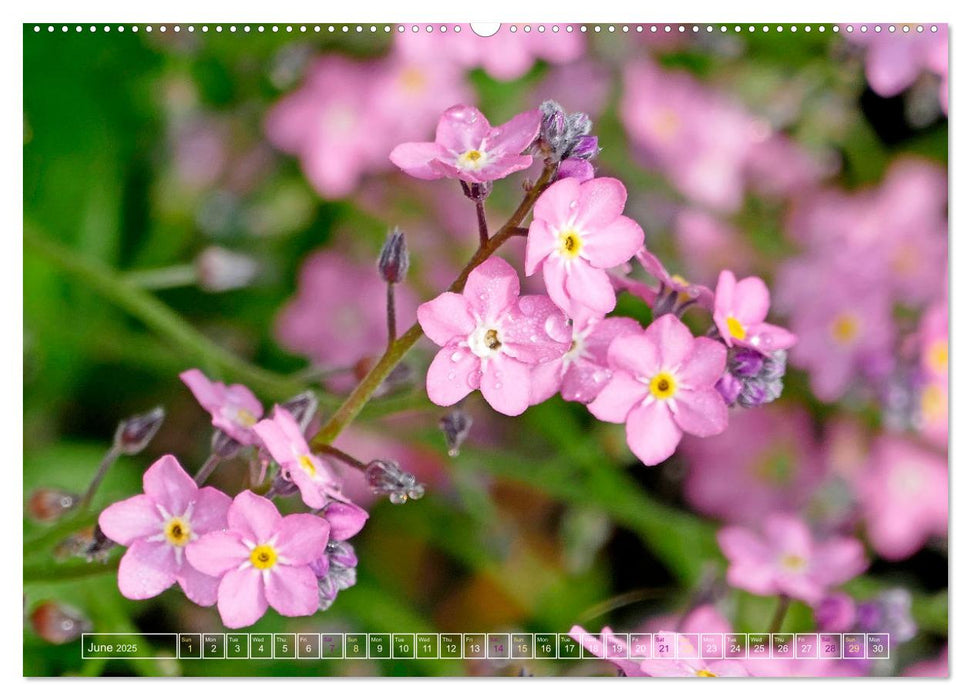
[512, 28]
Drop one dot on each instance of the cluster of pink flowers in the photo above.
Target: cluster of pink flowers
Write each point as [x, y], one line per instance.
[346, 116]
[520, 350]
[240, 553]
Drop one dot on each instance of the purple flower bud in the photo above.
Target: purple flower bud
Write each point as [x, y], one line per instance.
[554, 122]
[386, 477]
[774, 366]
[729, 387]
[753, 394]
[302, 407]
[134, 434]
[586, 148]
[57, 623]
[582, 170]
[746, 363]
[48, 505]
[455, 425]
[341, 554]
[869, 616]
[393, 261]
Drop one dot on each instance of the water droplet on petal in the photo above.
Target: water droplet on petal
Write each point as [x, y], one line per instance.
[456, 356]
[451, 376]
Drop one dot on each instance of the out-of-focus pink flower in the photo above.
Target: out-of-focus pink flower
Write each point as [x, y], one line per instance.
[157, 525]
[233, 408]
[932, 408]
[785, 559]
[581, 373]
[708, 245]
[684, 292]
[835, 613]
[506, 55]
[663, 386]
[740, 311]
[468, 148]
[262, 559]
[578, 231]
[894, 61]
[331, 125]
[931, 668]
[283, 439]
[738, 479]
[903, 496]
[338, 314]
[687, 666]
[490, 339]
[561, 82]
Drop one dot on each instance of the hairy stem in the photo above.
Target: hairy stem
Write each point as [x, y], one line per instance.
[343, 457]
[208, 467]
[382, 368]
[392, 320]
[111, 456]
[483, 226]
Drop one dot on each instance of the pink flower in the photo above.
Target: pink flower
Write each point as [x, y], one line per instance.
[157, 526]
[329, 123]
[490, 338]
[785, 559]
[233, 408]
[685, 292]
[262, 559]
[285, 442]
[738, 479]
[663, 385]
[468, 148]
[577, 232]
[903, 496]
[582, 371]
[740, 311]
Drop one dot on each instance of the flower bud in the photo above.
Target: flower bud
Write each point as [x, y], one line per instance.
[57, 623]
[574, 167]
[393, 261]
[586, 148]
[134, 434]
[752, 379]
[563, 136]
[47, 505]
[302, 407]
[476, 191]
[224, 446]
[455, 425]
[386, 477]
[220, 270]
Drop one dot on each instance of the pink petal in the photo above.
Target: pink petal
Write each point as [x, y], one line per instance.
[446, 318]
[590, 287]
[301, 538]
[516, 135]
[544, 381]
[253, 517]
[553, 206]
[673, 339]
[169, 486]
[751, 301]
[535, 330]
[241, 598]
[453, 374]
[652, 434]
[346, 520]
[499, 169]
[613, 244]
[554, 277]
[311, 489]
[725, 295]
[198, 587]
[128, 520]
[705, 365]
[210, 510]
[274, 439]
[583, 381]
[292, 590]
[599, 340]
[540, 242]
[216, 553]
[767, 337]
[837, 561]
[202, 388]
[788, 534]
[743, 546]
[505, 385]
[617, 398]
[636, 355]
[701, 412]
[147, 569]
[600, 202]
[418, 159]
[492, 287]
[291, 430]
[891, 67]
[462, 128]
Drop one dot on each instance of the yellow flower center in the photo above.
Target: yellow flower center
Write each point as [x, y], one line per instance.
[307, 465]
[244, 417]
[845, 328]
[492, 339]
[793, 562]
[570, 243]
[932, 403]
[663, 386]
[471, 160]
[937, 356]
[413, 79]
[263, 556]
[665, 124]
[705, 673]
[735, 329]
[177, 532]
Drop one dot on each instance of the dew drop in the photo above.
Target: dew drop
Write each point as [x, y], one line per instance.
[456, 356]
[574, 204]
[451, 376]
[498, 385]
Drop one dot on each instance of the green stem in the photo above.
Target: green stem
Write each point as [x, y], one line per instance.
[110, 458]
[780, 614]
[163, 277]
[51, 572]
[362, 393]
[157, 316]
